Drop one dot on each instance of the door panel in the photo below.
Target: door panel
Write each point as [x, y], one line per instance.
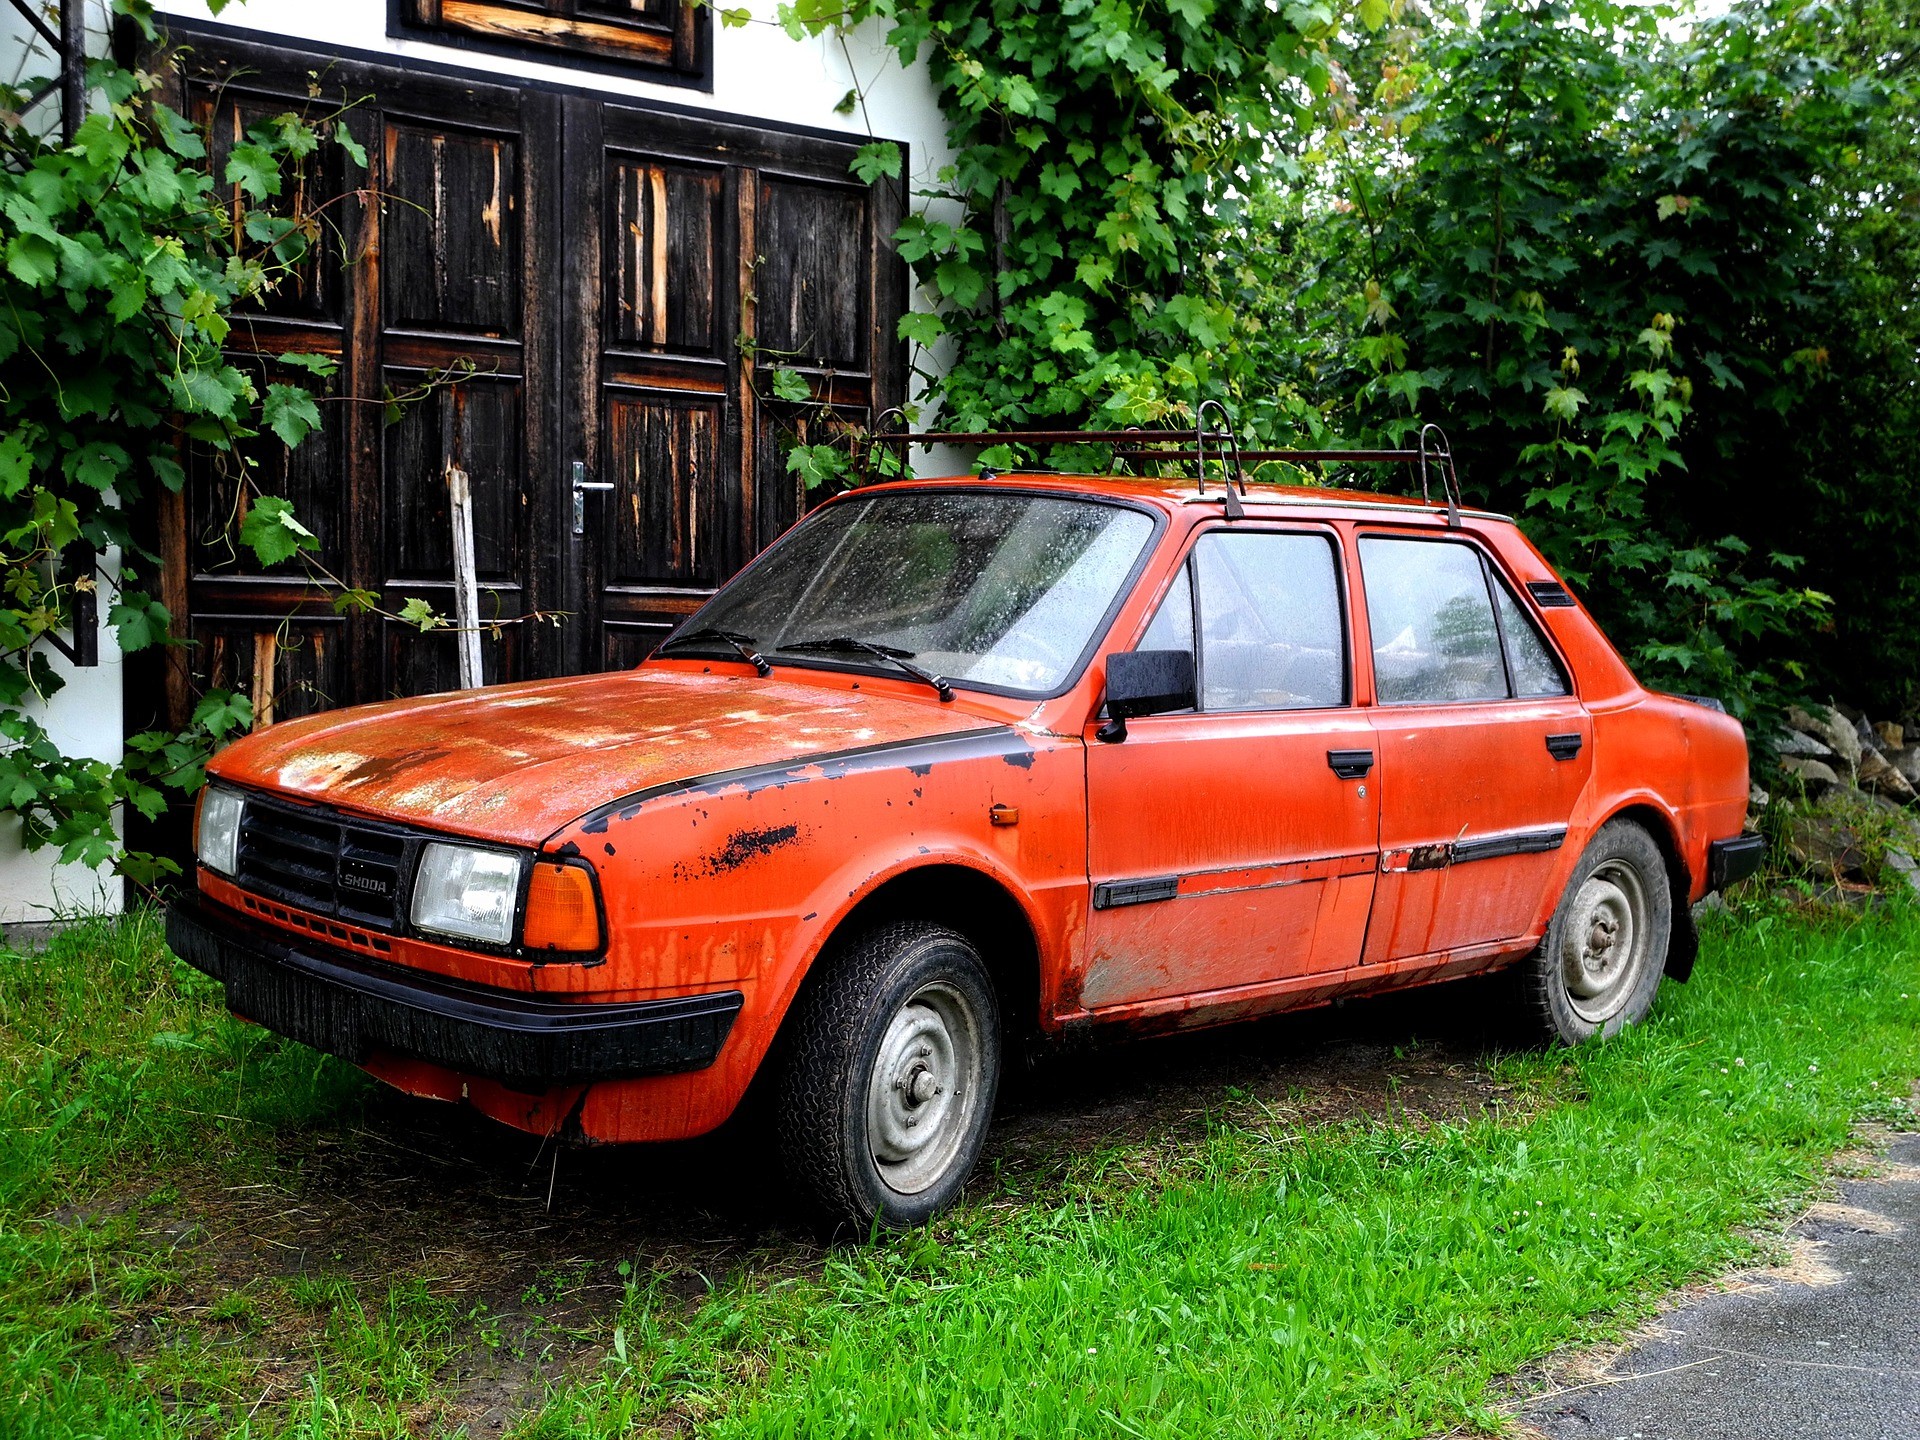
[451, 230]
[671, 520]
[1458, 784]
[666, 226]
[1225, 847]
[1474, 800]
[1262, 857]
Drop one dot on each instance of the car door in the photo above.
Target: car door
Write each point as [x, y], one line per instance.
[1484, 749]
[1235, 844]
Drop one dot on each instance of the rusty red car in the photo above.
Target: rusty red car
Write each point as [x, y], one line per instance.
[961, 763]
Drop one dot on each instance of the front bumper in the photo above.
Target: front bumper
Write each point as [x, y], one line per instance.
[351, 1006]
[1730, 861]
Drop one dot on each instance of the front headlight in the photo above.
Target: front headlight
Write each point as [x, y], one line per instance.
[218, 843]
[466, 892]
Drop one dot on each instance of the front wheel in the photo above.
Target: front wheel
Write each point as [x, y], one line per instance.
[889, 1076]
[1599, 967]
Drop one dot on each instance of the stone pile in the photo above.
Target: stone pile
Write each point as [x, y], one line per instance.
[1861, 827]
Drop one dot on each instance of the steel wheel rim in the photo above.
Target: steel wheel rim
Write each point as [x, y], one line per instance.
[924, 1088]
[1603, 947]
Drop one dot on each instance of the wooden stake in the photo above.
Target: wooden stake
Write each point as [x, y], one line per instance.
[466, 585]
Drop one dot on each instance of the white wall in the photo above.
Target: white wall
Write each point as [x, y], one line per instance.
[83, 720]
[758, 72]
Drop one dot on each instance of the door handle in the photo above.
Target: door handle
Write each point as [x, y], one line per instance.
[1564, 747]
[1350, 764]
[580, 487]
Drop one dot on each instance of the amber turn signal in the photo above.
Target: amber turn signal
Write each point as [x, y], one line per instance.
[561, 914]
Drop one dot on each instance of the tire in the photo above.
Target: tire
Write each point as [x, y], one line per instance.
[1599, 967]
[892, 1060]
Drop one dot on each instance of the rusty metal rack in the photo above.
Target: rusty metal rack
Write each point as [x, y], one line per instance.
[1433, 457]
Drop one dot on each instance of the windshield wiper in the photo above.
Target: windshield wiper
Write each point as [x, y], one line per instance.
[900, 659]
[743, 643]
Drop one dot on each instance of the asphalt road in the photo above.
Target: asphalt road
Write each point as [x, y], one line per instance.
[1838, 1359]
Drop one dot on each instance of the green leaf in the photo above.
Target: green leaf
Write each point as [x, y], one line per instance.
[870, 162]
[140, 620]
[1373, 13]
[420, 613]
[16, 463]
[920, 327]
[272, 533]
[791, 386]
[290, 413]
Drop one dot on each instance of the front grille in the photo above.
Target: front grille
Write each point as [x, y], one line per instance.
[329, 866]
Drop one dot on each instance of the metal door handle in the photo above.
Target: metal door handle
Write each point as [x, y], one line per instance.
[1350, 764]
[580, 487]
[1564, 747]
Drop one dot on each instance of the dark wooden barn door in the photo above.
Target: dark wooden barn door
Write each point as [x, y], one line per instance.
[542, 288]
[699, 279]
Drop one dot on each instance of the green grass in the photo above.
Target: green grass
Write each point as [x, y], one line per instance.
[1355, 1279]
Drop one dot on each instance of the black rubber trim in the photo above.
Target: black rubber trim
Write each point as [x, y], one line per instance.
[1550, 595]
[985, 742]
[351, 1006]
[1515, 842]
[1113, 894]
[1733, 860]
[1350, 764]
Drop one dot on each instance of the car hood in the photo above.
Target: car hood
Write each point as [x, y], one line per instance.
[515, 763]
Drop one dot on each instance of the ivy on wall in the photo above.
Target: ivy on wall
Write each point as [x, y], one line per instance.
[121, 259]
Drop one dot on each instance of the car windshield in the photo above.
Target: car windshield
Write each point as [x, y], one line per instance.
[990, 589]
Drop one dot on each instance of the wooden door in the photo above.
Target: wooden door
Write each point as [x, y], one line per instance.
[522, 279]
[703, 275]
[429, 287]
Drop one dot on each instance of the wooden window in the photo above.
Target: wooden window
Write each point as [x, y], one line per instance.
[654, 35]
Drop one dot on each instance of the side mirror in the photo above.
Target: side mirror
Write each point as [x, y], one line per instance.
[1146, 682]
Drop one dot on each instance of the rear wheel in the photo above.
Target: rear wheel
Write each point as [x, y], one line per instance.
[1599, 967]
[891, 1066]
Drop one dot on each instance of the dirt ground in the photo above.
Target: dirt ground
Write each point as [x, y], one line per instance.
[528, 1241]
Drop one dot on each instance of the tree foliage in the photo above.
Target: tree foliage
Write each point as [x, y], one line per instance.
[1629, 259]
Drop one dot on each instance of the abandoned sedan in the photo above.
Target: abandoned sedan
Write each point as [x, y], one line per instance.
[960, 763]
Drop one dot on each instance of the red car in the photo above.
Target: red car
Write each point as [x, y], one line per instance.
[962, 760]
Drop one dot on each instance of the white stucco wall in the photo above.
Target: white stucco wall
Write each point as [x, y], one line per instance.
[83, 720]
[758, 73]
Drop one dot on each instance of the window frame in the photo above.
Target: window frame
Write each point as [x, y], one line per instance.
[1185, 575]
[689, 62]
[1492, 573]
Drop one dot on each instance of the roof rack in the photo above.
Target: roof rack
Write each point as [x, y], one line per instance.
[1135, 444]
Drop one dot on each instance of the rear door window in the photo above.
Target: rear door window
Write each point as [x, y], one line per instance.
[1435, 639]
[1536, 670]
[1447, 629]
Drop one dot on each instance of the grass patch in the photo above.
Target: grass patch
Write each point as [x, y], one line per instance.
[1370, 1277]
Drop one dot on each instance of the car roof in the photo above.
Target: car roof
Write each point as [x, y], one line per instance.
[1174, 492]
